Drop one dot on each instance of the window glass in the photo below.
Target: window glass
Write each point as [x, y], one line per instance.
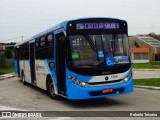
[37, 43]
[50, 47]
[144, 55]
[27, 51]
[99, 50]
[50, 40]
[42, 42]
[137, 56]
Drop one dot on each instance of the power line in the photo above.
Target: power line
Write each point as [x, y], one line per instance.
[9, 39]
[21, 37]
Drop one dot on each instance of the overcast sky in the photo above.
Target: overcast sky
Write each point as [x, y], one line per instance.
[28, 17]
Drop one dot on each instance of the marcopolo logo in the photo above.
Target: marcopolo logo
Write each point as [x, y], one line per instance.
[106, 78]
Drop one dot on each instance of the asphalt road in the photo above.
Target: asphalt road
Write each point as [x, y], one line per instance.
[16, 95]
[28, 97]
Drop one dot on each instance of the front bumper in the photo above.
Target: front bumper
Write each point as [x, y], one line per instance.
[76, 92]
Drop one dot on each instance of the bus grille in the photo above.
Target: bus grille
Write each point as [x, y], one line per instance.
[106, 82]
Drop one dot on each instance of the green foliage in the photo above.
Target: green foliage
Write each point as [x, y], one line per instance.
[148, 82]
[152, 65]
[154, 35]
[155, 63]
[6, 70]
[8, 54]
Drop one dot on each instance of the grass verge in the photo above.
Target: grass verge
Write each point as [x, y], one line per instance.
[6, 70]
[153, 65]
[148, 82]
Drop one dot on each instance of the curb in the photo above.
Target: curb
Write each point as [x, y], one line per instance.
[147, 87]
[2, 77]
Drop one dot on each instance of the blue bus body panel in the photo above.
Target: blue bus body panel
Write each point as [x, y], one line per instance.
[52, 72]
[16, 68]
[75, 91]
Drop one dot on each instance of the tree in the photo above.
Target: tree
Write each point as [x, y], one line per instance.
[8, 53]
[154, 35]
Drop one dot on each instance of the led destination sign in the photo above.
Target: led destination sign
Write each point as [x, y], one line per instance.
[91, 26]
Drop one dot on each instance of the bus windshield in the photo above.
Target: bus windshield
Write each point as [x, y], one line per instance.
[99, 50]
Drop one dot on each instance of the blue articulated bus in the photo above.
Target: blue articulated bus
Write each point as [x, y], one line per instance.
[78, 59]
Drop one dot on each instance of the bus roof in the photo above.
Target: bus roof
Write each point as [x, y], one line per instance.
[62, 25]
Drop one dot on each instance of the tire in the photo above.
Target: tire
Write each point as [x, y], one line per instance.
[51, 90]
[23, 79]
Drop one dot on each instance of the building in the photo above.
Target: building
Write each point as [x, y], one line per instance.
[140, 55]
[144, 48]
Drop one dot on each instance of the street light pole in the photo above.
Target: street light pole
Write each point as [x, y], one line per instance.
[22, 37]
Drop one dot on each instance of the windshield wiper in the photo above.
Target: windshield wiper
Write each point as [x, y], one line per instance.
[94, 47]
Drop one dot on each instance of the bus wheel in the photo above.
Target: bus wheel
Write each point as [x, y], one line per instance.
[23, 79]
[51, 90]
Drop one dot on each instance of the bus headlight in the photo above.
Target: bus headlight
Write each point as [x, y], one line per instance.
[78, 82]
[128, 77]
[83, 84]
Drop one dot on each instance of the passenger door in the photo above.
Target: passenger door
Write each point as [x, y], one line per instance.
[60, 63]
[32, 62]
[16, 62]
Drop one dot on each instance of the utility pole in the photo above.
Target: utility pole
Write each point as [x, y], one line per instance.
[22, 37]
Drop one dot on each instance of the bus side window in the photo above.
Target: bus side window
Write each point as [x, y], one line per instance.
[26, 51]
[36, 46]
[50, 46]
[15, 54]
[42, 47]
[21, 51]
